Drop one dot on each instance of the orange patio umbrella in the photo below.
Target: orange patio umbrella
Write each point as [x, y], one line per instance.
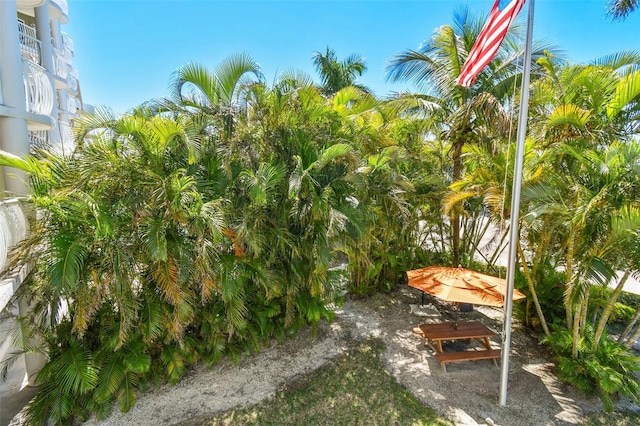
[461, 285]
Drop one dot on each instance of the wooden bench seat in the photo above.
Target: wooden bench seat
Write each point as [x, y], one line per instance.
[446, 357]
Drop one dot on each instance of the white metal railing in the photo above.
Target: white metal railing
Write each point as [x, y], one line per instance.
[13, 228]
[55, 44]
[73, 83]
[67, 42]
[66, 137]
[71, 104]
[68, 55]
[38, 89]
[39, 138]
[60, 64]
[29, 43]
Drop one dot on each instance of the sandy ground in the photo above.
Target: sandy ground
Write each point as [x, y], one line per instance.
[467, 394]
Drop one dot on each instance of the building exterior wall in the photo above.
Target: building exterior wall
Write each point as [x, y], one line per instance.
[39, 98]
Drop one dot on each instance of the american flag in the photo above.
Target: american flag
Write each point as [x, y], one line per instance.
[489, 39]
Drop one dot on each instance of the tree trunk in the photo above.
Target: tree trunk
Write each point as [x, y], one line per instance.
[500, 247]
[454, 218]
[568, 293]
[576, 331]
[585, 308]
[534, 295]
[476, 241]
[631, 340]
[629, 327]
[604, 318]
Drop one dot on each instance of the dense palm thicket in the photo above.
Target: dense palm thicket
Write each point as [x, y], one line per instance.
[214, 221]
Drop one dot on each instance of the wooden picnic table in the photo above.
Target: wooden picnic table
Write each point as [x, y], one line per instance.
[435, 334]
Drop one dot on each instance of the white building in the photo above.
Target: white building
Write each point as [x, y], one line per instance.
[39, 98]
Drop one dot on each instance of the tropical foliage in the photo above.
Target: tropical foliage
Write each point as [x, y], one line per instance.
[203, 225]
[231, 213]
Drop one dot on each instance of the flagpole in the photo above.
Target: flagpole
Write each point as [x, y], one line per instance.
[515, 210]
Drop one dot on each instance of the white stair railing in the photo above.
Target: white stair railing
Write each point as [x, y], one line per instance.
[38, 89]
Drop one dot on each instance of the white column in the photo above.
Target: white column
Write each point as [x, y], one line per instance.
[13, 130]
[56, 33]
[43, 33]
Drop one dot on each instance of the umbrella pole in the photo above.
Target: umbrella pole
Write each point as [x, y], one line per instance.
[455, 324]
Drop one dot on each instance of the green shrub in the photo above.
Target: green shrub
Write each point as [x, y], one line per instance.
[607, 369]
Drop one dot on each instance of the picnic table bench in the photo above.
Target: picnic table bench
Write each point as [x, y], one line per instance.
[435, 334]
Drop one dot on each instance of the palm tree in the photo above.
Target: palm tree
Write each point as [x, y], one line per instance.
[620, 9]
[219, 94]
[127, 243]
[466, 116]
[584, 111]
[336, 74]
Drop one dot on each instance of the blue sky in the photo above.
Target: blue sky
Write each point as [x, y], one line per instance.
[126, 50]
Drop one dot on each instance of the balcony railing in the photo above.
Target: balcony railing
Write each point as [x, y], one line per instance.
[38, 89]
[66, 135]
[39, 138]
[73, 83]
[29, 43]
[71, 104]
[67, 42]
[61, 64]
[13, 228]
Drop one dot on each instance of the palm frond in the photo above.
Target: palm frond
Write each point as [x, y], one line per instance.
[166, 275]
[332, 153]
[67, 265]
[28, 164]
[620, 61]
[75, 370]
[231, 72]
[627, 90]
[154, 238]
[412, 66]
[620, 9]
[194, 83]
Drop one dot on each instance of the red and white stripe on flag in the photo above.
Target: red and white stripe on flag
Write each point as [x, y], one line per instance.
[489, 39]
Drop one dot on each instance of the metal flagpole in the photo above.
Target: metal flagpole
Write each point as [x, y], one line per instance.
[515, 210]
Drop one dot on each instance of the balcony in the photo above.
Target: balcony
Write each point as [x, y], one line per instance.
[29, 43]
[63, 6]
[38, 89]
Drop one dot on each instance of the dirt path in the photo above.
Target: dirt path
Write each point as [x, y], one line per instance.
[466, 394]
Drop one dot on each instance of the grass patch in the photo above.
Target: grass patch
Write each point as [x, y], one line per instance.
[354, 389]
[612, 419]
